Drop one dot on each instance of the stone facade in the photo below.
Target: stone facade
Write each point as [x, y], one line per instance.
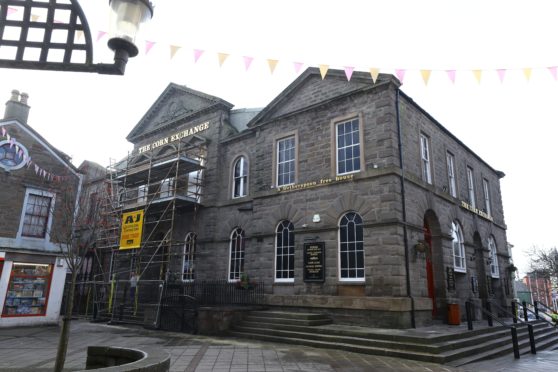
[404, 284]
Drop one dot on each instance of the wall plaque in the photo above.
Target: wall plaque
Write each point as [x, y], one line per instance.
[314, 262]
[450, 276]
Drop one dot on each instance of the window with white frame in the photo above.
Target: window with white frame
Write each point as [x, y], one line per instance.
[471, 187]
[351, 248]
[240, 181]
[37, 213]
[236, 257]
[451, 174]
[188, 273]
[348, 146]
[458, 247]
[425, 159]
[486, 193]
[13, 155]
[493, 258]
[286, 161]
[284, 248]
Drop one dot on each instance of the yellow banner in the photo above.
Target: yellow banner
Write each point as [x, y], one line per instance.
[132, 227]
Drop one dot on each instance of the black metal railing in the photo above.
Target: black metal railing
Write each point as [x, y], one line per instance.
[219, 292]
[536, 312]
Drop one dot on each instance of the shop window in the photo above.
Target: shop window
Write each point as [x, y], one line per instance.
[236, 258]
[286, 161]
[240, 181]
[452, 185]
[486, 193]
[188, 273]
[37, 213]
[284, 248]
[471, 187]
[458, 246]
[28, 289]
[493, 258]
[348, 146]
[425, 159]
[351, 248]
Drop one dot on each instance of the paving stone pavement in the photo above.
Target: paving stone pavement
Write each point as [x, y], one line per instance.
[34, 349]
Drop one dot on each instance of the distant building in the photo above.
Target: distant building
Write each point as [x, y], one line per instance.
[345, 198]
[540, 287]
[32, 270]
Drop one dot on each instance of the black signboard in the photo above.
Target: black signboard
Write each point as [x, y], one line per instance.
[314, 262]
[450, 278]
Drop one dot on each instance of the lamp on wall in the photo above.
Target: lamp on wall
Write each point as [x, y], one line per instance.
[57, 55]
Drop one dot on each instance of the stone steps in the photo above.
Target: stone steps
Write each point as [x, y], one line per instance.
[456, 349]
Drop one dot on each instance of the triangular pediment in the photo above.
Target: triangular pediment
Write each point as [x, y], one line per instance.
[173, 105]
[309, 89]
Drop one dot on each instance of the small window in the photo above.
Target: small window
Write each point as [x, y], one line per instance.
[425, 159]
[188, 273]
[351, 248]
[12, 155]
[452, 189]
[486, 192]
[286, 161]
[458, 247]
[236, 261]
[240, 180]
[493, 258]
[284, 247]
[471, 187]
[348, 146]
[38, 212]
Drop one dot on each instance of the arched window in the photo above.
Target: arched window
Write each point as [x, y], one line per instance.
[351, 248]
[236, 262]
[284, 252]
[240, 178]
[493, 258]
[458, 247]
[189, 255]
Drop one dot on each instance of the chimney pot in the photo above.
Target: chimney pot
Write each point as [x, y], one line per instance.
[15, 95]
[17, 107]
[24, 97]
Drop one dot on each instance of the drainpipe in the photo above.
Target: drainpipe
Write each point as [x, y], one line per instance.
[404, 211]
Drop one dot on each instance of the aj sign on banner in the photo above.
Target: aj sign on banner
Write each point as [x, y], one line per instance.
[132, 226]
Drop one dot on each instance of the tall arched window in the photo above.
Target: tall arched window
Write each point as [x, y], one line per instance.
[351, 248]
[493, 257]
[236, 262]
[284, 252]
[189, 255]
[240, 178]
[458, 247]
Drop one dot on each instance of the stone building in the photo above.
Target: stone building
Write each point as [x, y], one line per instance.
[345, 198]
[35, 179]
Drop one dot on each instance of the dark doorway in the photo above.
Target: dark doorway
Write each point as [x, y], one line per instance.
[429, 268]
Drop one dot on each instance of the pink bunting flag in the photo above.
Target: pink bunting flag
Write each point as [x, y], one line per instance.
[349, 72]
[100, 35]
[298, 66]
[3, 132]
[29, 162]
[11, 10]
[197, 54]
[148, 46]
[553, 71]
[247, 62]
[400, 74]
[451, 75]
[501, 74]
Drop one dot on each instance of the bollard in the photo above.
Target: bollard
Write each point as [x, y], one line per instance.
[537, 310]
[525, 311]
[469, 312]
[514, 311]
[532, 339]
[489, 314]
[515, 343]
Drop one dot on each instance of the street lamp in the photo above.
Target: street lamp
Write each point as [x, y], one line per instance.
[54, 44]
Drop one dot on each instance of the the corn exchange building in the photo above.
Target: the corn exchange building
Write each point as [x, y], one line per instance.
[342, 198]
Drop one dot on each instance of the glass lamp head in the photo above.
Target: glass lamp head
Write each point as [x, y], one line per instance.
[125, 20]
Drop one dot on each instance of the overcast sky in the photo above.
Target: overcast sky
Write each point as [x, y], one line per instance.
[506, 118]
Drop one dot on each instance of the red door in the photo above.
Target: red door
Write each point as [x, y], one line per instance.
[429, 270]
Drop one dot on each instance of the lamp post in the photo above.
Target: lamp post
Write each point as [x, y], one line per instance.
[62, 55]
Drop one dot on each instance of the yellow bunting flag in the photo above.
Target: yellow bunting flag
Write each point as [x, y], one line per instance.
[222, 57]
[425, 75]
[79, 34]
[173, 50]
[34, 17]
[374, 72]
[323, 70]
[477, 74]
[527, 73]
[272, 63]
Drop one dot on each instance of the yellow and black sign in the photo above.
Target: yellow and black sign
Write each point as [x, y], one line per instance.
[132, 226]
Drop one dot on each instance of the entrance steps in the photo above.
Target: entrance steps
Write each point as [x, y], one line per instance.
[456, 347]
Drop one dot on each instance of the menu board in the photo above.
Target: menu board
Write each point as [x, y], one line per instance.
[28, 290]
[314, 262]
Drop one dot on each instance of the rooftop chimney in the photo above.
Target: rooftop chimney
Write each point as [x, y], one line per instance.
[17, 108]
